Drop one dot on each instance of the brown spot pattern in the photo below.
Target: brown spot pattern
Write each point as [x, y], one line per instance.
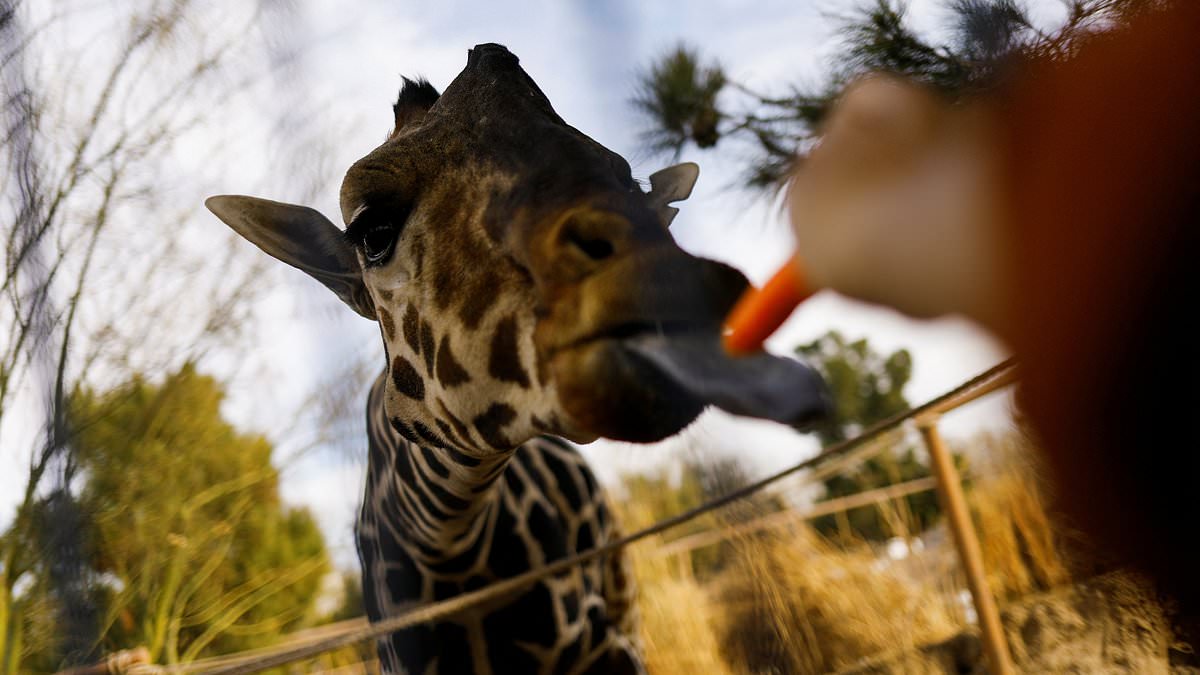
[411, 326]
[406, 379]
[427, 435]
[479, 298]
[468, 260]
[463, 432]
[463, 459]
[385, 320]
[443, 284]
[504, 362]
[418, 257]
[447, 431]
[432, 462]
[404, 430]
[490, 423]
[427, 346]
[449, 371]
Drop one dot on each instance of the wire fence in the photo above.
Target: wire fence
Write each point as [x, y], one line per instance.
[831, 460]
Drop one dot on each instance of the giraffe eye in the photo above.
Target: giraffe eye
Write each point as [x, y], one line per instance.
[378, 243]
[374, 231]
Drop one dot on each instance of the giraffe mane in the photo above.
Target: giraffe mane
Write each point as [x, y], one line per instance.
[416, 96]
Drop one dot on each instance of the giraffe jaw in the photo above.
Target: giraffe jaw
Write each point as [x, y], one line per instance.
[757, 385]
[635, 353]
[650, 385]
[608, 391]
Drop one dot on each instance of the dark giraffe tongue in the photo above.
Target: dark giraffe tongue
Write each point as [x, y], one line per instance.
[758, 385]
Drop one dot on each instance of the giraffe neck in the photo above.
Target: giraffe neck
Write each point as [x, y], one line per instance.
[436, 523]
[439, 497]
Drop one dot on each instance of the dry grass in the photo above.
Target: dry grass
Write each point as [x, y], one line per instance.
[793, 602]
[796, 604]
[1023, 544]
[677, 618]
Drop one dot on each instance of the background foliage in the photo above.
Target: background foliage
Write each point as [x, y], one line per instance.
[177, 538]
[688, 99]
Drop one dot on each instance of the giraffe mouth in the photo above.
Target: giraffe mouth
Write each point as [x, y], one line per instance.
[642, 355]
[645, 380]
[638, 329]
[759, 385]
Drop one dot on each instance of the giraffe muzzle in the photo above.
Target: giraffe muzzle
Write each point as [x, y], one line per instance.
[644, 357]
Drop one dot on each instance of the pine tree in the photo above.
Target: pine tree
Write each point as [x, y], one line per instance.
[681, 97]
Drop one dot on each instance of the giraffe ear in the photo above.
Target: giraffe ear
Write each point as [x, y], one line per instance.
[302, 238]
[672, 184]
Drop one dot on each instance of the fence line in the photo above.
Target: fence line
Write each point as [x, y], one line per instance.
[839, 454]
[966, 542]
[789, 516]
[857, 500]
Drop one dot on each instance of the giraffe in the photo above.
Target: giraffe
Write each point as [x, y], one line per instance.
[527, 291]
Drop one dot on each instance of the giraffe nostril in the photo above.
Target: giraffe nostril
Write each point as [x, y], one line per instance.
[595, 248]
[592, 235]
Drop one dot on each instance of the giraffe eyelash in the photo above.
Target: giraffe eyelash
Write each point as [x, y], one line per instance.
[375, 233]
[360, 225]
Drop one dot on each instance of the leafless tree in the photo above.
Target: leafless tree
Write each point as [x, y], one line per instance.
[107, 117]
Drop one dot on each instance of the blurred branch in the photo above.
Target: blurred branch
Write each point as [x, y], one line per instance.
[687, 103]
[89, 126]
[234, 611]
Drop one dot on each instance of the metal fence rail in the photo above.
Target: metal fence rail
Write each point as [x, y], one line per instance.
[829, 461]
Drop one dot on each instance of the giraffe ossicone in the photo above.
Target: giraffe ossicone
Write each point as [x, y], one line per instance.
[526, 289]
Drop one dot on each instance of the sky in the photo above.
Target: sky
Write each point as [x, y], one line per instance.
[339, 73]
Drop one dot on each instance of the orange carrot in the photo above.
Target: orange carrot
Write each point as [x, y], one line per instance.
[760, 312]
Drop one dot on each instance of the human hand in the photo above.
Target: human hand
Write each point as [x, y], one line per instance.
[898, 204]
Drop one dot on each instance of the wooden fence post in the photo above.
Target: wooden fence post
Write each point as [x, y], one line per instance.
[949, 489]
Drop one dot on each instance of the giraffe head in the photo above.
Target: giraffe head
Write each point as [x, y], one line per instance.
[513, 264]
